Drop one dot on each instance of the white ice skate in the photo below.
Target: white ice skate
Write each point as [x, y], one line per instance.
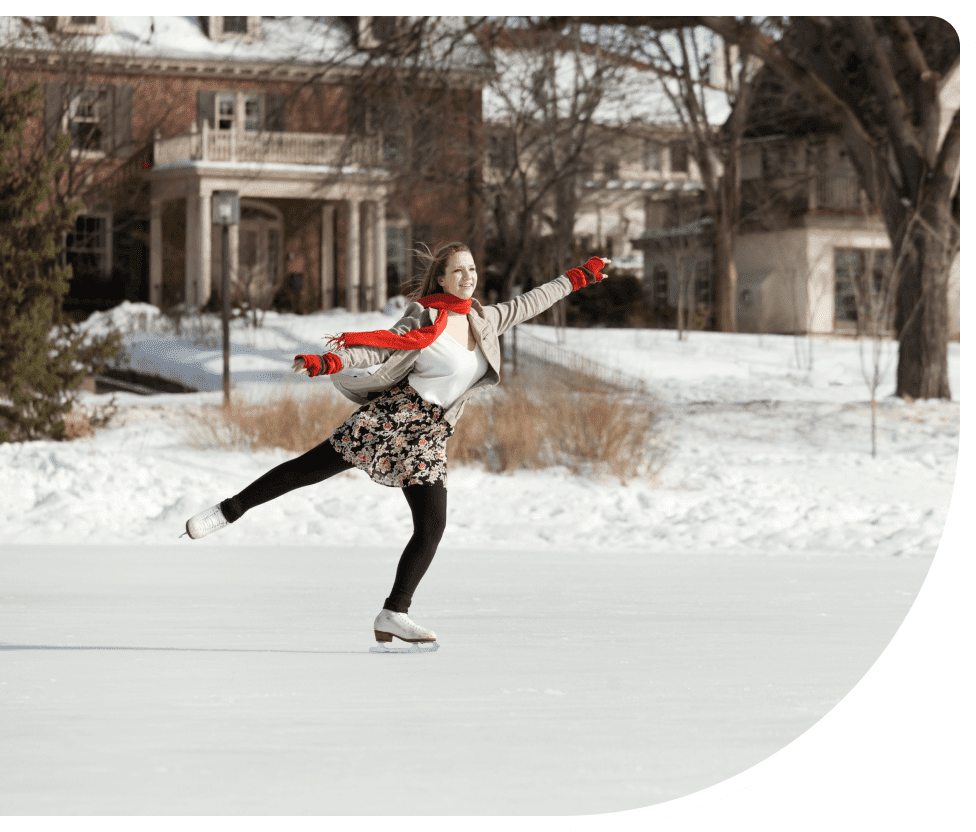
[389, 624]
[202, 524]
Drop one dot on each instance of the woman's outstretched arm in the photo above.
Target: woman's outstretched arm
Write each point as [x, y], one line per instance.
[506, 315]
[356, 356]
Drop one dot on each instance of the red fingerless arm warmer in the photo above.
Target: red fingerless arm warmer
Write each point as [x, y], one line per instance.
[586, 274]
[316, 366]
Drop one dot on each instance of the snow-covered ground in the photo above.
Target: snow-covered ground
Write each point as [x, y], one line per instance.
[604, 646]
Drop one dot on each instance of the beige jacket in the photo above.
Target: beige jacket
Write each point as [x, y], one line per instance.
[487, 323]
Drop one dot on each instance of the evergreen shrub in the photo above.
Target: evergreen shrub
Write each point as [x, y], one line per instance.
[43, 358]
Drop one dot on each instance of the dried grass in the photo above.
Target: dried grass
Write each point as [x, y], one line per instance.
[531, 422]
[288, 419]
[538, 421]
[83, 420]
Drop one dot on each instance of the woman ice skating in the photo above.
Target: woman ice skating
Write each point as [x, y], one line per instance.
[440, 353]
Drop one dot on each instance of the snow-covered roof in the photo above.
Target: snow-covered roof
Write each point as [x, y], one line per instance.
[289, 40]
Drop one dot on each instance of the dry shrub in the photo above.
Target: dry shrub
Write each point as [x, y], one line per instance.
[288, 420]
[539, 420]
[77, 425]
[83, 419]
[531, 422]
[505, 432]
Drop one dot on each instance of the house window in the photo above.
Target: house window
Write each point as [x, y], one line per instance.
[225, 112]
[231, 28]
[611, 169]
[703, 285]
[234, 25]
[384, 28]
[239, 111]
[860, 285]
[252, 112]
[87, 117]
[88, 247]
[679, 157]
[82, 25]
[651, 156]
[373, 32]
[659, 286]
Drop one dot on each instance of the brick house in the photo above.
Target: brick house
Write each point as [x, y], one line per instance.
[336, 183]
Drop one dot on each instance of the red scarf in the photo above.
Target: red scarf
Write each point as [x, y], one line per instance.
[415, 339]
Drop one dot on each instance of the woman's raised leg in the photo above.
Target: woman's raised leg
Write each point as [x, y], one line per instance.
[318, 464]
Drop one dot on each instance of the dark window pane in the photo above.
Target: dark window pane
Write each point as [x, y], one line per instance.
[679, 157]
[235, 25]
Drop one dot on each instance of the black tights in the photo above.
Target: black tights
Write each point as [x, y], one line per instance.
[428, 505]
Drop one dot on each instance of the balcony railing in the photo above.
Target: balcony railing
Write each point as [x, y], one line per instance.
[266, 146]
[833, 192]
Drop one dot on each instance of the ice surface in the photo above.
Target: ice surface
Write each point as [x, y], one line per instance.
[188, 680]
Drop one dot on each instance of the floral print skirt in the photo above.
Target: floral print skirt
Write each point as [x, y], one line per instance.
[399, 439]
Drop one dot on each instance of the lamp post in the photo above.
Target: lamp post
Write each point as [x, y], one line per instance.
[226, 212]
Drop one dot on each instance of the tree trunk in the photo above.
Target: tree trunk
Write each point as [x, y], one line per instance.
[726, 278]
[922, 314]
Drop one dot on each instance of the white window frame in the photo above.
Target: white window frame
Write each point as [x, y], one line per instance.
[99, 27]
[215, 26]
[651, 150]
[104, 120]
[105, 248]
[239, 115]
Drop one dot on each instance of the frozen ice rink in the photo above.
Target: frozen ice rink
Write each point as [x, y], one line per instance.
[209, 680]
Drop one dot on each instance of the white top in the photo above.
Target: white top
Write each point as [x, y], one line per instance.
[446, 369]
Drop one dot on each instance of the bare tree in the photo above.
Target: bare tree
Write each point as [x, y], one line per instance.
[542, 108]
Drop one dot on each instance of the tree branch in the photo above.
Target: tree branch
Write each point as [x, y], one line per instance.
[927, 95]
[859, 141]
[904, 142]
[946, 171]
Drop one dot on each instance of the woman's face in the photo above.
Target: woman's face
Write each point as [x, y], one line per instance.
[461, 277]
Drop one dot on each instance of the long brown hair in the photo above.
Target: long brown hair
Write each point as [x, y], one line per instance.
[436, 266]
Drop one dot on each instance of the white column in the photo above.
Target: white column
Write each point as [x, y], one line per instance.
[353, 255]
[369, 256]
[191, 253]
[234, 244]
[327, 259]
[156, 252]
[204, 263]
[380, 254]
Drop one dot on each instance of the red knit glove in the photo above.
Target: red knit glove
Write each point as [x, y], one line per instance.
[589, 273]
[313, 365]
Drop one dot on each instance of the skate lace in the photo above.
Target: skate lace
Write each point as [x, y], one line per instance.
[211, 520]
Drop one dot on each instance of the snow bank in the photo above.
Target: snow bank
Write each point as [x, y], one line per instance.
[768, 456]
